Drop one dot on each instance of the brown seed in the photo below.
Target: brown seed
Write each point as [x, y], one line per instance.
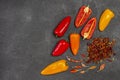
[102, 66]
[82, 72]
[83, 65]
[92, 67]
[73, 60]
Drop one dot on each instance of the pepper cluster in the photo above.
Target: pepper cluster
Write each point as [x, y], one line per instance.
[87, 32]
[97, 47]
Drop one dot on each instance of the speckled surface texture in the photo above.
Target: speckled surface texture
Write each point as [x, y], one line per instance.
[26, 37]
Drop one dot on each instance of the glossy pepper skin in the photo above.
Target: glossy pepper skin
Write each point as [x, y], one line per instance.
[55, 67]
[75, 43]
[82, 16]
[62, 26]
[89, 28]
[60, 48]
[105, 19]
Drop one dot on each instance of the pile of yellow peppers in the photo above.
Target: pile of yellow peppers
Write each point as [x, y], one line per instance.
[61, 65]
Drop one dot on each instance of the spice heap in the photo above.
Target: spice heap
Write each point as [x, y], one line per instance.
[100, 49]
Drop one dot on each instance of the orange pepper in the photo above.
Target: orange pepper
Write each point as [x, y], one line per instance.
[55, 67]
[74, 42]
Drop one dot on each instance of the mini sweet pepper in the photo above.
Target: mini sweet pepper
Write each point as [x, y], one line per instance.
[105, 19]
[55, 67]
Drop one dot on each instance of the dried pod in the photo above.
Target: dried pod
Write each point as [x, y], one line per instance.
[83, 65]
[92, 67]
[82, 72]
[73, 60]
[102, 66]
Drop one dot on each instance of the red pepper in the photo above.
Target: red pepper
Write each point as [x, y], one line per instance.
[82, 16]
[62, 26]
[89, 29]
[60, 48]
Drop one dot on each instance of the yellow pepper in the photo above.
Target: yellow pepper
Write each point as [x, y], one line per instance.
[105, 19]
[55, 67]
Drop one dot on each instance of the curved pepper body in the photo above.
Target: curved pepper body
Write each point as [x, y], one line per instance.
[74, 43]
[60, 48]
[105, 19]
[82, 16]
[89, 28]
[55, 67]
[62, 26]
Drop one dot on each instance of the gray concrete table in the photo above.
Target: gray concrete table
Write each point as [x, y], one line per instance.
[26, 37]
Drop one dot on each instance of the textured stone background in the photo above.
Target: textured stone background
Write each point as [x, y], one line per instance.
[26, 37]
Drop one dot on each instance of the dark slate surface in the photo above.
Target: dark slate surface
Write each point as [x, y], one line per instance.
[26, 37]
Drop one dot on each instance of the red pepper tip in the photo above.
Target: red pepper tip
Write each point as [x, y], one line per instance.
[55, 55]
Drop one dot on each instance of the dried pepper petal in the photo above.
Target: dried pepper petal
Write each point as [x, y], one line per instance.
[74, 70]
[77, 67]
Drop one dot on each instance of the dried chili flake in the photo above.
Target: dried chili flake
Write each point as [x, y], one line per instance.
[83, 55]
[77, 67]
[74, 70]
[100, 49]
[109, 60]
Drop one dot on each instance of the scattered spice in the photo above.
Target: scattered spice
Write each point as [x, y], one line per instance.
[100, 49]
